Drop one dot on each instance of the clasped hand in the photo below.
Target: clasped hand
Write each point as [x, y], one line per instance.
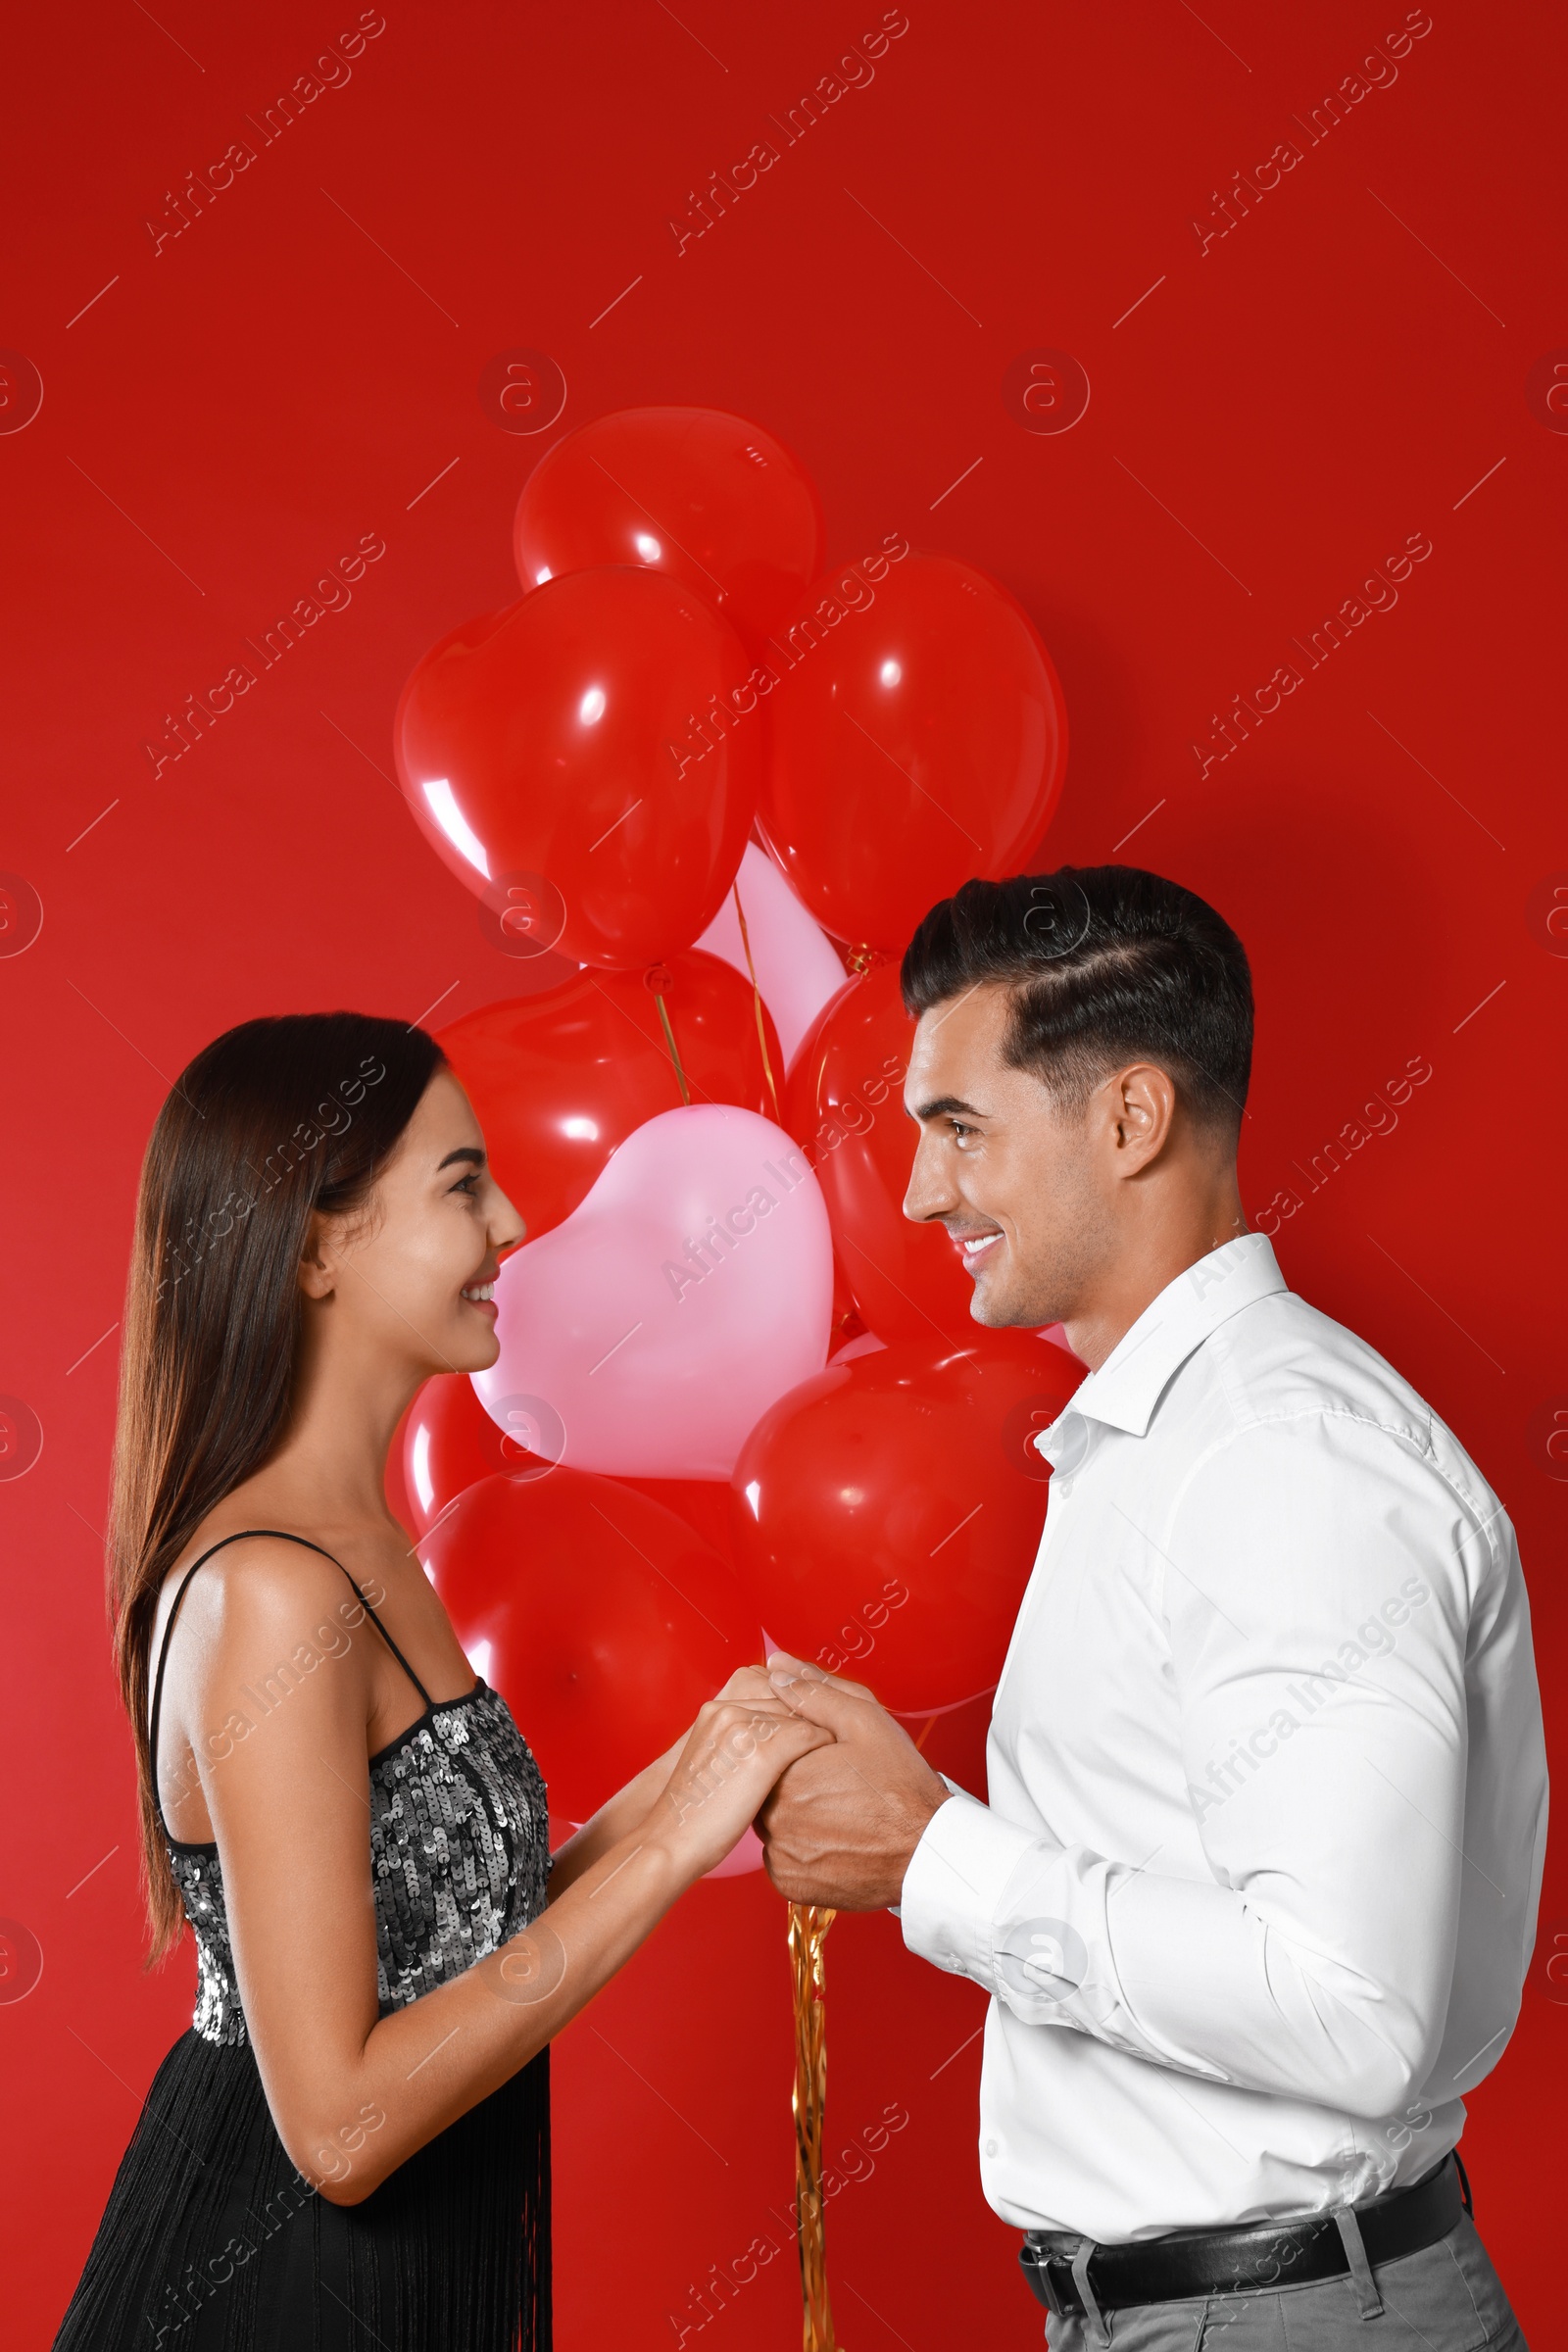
[840, 1792]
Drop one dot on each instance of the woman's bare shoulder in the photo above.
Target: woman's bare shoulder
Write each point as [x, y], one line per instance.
[259, 1586]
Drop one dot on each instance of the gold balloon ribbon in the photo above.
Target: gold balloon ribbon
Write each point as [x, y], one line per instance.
[757, 1002]
[860, 960]
[808, 1927]
[669, 1040]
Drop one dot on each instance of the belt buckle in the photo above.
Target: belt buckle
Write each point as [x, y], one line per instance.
[1036, 2264]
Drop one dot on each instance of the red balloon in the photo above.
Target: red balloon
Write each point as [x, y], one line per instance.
[607, 1621]
[449, 1444]
[845, 1102]
[561, 758]
[558, 1081]
[846, 1319]
[711, 499]
[919, 738]
[703, 1502]
[888, 1512]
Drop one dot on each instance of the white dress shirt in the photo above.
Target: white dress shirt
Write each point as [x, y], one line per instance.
[1256, 1890]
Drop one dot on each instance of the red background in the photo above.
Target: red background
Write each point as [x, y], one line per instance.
[1280, 413]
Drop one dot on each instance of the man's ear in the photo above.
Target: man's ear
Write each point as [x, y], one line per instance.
[1142, 1112]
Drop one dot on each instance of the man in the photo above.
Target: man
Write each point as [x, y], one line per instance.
[1255, 1887]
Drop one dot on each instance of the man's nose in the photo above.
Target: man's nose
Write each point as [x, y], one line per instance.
[930, 1194]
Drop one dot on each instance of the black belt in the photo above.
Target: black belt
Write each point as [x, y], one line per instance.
[1256, 2259]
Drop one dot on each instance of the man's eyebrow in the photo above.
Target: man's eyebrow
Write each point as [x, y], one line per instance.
[462, 1152]
[944, 1103]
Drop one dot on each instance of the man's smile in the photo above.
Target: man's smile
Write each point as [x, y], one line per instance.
[977, 1248]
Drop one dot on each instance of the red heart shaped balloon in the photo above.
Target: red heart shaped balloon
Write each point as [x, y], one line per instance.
[604, 1620]
[887, 1513]
[711, 499]
[919, 737]
[587, 761]
[449, 1444]
[557, 1081]
[844, 1103]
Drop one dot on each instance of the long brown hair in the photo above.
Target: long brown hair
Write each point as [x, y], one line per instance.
[273, 1120]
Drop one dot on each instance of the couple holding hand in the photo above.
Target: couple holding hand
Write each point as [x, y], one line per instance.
[1254, 1885]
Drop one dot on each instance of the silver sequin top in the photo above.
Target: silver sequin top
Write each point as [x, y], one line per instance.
[459, 1855]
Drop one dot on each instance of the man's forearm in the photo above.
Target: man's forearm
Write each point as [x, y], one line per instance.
[1185, 1974]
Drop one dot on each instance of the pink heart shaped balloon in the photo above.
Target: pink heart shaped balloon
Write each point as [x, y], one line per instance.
[647, 1334]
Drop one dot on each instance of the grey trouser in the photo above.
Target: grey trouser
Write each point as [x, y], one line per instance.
[1446, 2298]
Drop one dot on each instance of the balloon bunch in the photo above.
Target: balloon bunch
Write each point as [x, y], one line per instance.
[705, 791]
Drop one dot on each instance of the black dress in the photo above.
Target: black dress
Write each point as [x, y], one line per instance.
[212, 2240]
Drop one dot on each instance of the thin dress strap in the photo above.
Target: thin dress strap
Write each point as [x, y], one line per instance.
[283, 1536]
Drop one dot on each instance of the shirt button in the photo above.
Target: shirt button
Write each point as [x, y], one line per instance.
[991, 2147]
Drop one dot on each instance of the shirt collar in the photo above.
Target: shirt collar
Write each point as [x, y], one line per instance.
[1129, 1384]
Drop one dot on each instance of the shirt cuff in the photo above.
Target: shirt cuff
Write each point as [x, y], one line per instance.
[952, 1887]
[953, 1790]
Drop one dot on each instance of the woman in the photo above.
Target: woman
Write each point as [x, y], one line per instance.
[351, 2144]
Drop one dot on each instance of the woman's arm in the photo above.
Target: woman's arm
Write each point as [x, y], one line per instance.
[354, 2095]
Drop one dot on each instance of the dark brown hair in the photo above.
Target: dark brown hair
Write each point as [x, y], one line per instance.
[273, 1120]
[1105, 964]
